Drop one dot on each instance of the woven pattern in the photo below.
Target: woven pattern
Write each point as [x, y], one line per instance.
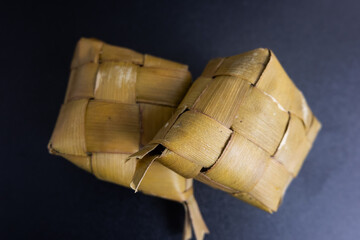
[116, 101]
[243, 127]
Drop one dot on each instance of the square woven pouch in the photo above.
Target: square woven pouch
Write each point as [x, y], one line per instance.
[243, 127]
[116, 101]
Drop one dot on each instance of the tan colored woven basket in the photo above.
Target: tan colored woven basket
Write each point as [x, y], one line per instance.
[116, 101]
[243, 127]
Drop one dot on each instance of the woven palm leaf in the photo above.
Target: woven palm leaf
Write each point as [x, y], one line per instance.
[116, 101]
[243, 127]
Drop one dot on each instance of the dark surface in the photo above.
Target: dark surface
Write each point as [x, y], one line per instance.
[45, 197]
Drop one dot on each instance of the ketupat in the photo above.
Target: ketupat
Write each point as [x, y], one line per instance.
[115, 102]
[243, 127]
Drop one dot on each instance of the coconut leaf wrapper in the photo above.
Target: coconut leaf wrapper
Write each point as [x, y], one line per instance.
[243, 127]
[116, 101]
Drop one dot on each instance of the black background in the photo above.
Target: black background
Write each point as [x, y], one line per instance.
[46, 197]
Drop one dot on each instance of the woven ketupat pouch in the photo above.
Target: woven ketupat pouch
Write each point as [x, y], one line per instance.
[116, 101]
[243, 127]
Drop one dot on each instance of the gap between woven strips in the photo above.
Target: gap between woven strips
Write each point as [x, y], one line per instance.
[205, 169]
[271, 97]
[228, 140]
[282, 138]
[265, 66]
[145, 161]
[143, 165]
